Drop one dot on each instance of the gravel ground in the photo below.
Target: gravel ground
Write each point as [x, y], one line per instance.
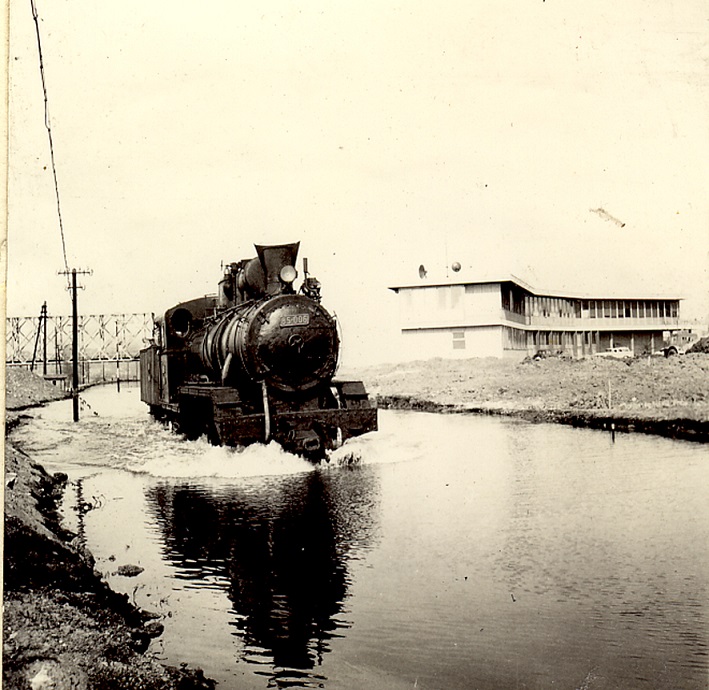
[651, 384]
[25, 389]
[669, 396]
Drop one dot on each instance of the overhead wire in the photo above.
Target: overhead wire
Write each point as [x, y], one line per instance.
[47, 124]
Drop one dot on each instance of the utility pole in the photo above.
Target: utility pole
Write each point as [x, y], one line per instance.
[44, 340]
[74, 341]
[42, 324]
[74, 348]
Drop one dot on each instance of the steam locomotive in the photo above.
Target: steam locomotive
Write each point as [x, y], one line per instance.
[255, 363]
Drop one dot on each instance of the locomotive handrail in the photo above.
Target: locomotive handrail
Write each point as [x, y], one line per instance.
[266, 412]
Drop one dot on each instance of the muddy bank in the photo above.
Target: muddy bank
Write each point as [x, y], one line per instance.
[686, 429]
[63, 627]
[668, 397]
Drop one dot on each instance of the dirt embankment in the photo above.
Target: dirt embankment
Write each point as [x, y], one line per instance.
[669, 396]
[63, 627]
[25, 390]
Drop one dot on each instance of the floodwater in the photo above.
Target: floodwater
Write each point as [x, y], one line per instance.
[455, 552]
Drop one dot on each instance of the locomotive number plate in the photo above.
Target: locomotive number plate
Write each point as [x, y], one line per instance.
[295, 320]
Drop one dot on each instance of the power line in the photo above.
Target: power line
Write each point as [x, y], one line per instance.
[47, 124]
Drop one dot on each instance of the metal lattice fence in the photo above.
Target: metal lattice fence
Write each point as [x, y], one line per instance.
[102, 338]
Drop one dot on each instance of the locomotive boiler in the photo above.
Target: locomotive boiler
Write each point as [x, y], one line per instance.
[256, 362]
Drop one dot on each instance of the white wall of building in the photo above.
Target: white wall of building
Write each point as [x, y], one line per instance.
[450, 305]
[483, 303]
[463, 343]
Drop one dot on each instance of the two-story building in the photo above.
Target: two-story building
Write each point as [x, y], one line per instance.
[505, 317]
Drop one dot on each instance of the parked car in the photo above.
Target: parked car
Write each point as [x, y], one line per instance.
[616, 352]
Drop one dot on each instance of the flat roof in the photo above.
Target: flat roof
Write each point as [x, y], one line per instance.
[449, 282]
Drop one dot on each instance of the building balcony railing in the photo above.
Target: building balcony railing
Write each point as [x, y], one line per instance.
[585, 323]
[460, 319]
[508, 315]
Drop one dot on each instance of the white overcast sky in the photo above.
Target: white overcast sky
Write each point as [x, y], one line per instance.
[380, 134]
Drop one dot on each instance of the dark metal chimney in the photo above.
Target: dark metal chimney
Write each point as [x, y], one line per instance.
[273, 258]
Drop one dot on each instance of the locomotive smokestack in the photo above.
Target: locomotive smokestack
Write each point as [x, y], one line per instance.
[273, 258]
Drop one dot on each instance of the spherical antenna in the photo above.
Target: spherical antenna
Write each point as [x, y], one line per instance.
[456, 266]
[422, 271]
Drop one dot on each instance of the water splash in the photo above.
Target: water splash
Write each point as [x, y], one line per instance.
[121, 435]
[382, 447]
[200, 459]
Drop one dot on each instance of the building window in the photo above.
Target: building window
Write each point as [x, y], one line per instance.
[634, 309]
[459, 340]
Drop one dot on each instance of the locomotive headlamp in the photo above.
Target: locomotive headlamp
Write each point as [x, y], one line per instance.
[288, 274]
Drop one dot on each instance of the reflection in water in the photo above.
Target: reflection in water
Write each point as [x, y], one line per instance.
[284, 547]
